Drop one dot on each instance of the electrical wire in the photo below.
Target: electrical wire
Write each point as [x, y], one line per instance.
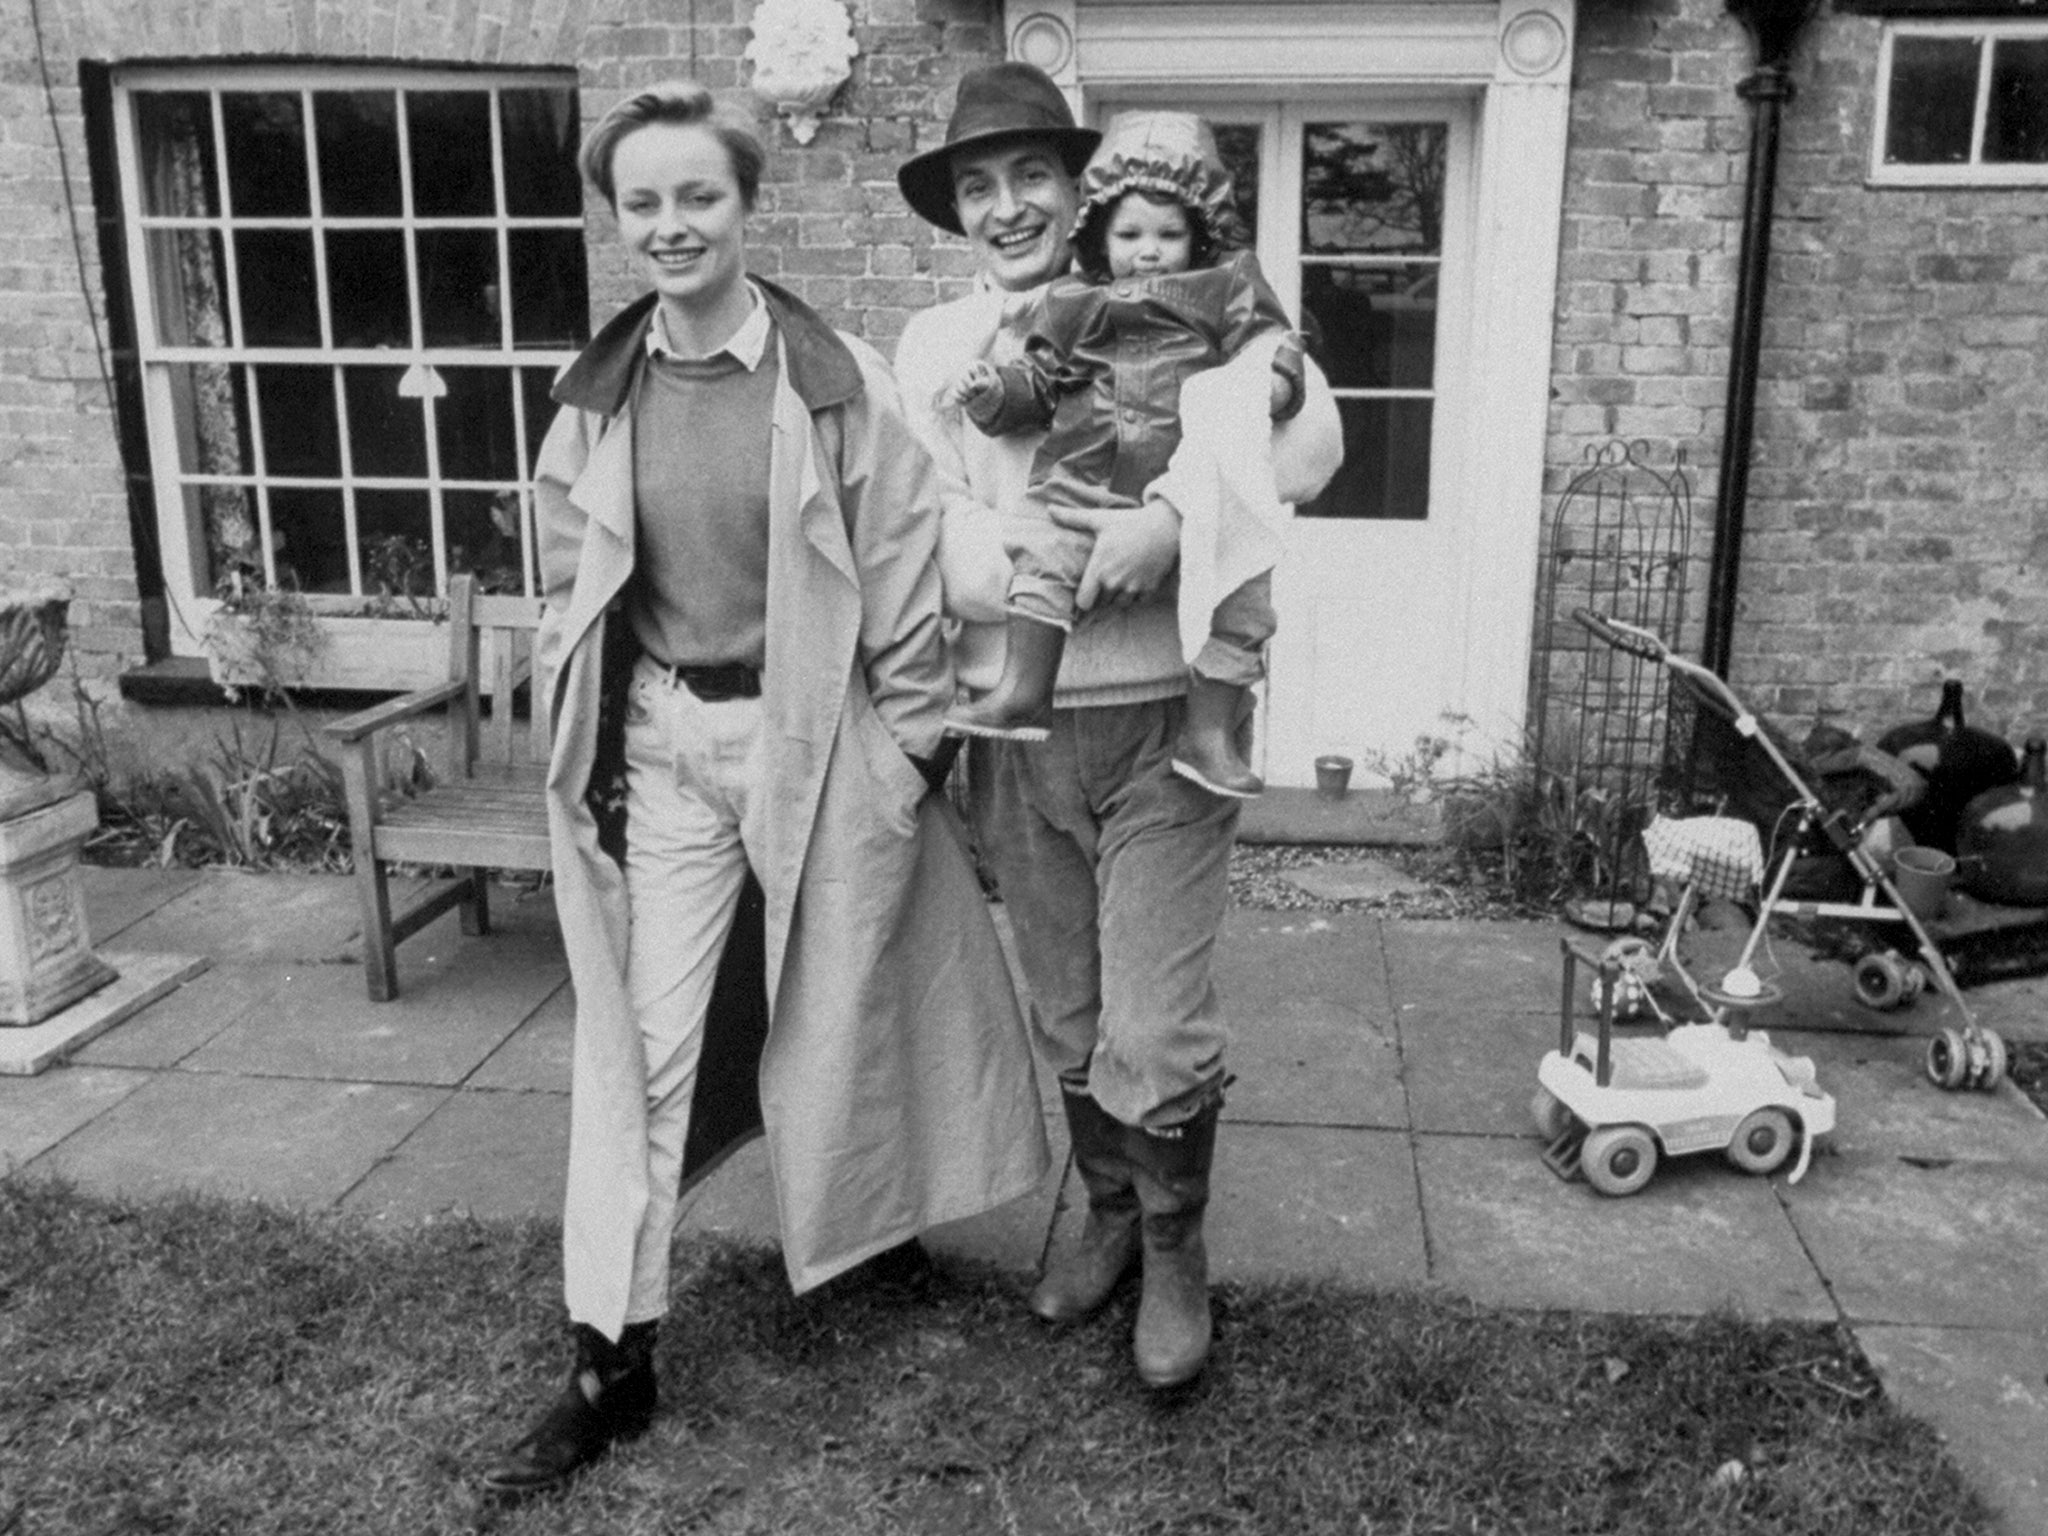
[99, 345]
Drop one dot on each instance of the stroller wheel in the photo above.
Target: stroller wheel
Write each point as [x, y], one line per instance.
[1948, 1059]
[1884, 980]
[1989, 1060]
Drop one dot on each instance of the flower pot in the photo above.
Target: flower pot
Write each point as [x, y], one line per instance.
[1333, 777]
[1922, 876]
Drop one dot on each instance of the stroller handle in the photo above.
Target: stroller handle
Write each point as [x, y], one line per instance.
[1623, 637]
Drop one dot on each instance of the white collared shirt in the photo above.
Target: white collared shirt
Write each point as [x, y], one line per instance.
[747, 345]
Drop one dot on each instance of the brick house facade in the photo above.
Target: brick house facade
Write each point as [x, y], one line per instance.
[1897, 526]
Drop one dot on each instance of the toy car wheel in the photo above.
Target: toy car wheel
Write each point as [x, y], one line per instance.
[1552, 1118]
[1881, 981]
[1619, 1159]
[1948, 1060]
[1763, 1141]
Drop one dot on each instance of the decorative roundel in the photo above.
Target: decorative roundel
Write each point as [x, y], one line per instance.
[1533, 43]
[1044, 41]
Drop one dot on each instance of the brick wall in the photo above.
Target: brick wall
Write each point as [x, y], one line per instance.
[831, 224]
[1897, 525]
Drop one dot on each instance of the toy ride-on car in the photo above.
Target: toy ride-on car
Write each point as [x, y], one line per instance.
[1609, 1108]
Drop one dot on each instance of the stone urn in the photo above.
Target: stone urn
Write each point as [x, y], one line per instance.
[46, 958]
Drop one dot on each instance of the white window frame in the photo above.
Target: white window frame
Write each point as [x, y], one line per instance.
[183, 539]
[1973, 173]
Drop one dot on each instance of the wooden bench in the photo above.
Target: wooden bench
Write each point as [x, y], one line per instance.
[487, 810]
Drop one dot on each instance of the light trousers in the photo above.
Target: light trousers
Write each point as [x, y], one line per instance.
[689, 769]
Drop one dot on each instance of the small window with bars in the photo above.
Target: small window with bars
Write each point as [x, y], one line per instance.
[352, 290]
[1962, 103]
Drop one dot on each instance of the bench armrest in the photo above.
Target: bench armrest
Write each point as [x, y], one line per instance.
[367, 722]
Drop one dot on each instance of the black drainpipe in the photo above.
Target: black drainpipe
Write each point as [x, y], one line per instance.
[1774, 26]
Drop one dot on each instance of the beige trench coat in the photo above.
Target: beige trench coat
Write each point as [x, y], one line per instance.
[896, 1081]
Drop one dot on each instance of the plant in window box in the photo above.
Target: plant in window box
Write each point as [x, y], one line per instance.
[261, 637]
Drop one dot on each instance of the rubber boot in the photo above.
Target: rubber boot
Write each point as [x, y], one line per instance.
[1019, 707]
[1171, 1172]
[1207, 752]
[609, 1397]
[1080, 1280]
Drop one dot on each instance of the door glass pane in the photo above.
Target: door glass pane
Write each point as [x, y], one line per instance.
[1933, 97]
[357, 132]
[483, 538]
[1386, 462]
[280, 304]
[1237, 144]
[1373, 188]
[475, 425]
[548, 288]
[309, 538]
[180, 175]
[540, 153]
[2016, 123]
[1372, 327]
[188, 269]
[266, 154]
[459, 287]
[387, 432]
[300, 436]
[450, 133]
[366, 288]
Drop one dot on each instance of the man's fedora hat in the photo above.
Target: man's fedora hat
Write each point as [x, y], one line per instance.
[995, 105]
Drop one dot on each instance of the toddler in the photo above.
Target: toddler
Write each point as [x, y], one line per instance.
[1164, 294]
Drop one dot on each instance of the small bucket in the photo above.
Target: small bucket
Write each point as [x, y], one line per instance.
[1922, 876]
[1333, 777]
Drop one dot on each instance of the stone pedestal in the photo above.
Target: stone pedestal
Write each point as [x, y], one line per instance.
[46, 958]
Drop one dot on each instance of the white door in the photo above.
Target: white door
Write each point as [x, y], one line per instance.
[1361, 205]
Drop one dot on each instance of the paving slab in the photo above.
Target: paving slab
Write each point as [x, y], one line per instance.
[1956, 1245]
[1987, 1392]
[453, 1010]
[295, 1142]
[1355, 880]
[1493, 967]
[1312, 1039]
[1473, 1072]
[173, 1027]
[139, 980]
[36, 1113]
[236, 916]
[1885, 1104]
[489, 1155]
[1288, 1201]
[537, 1056]
[117, 899]
[1505, 1230]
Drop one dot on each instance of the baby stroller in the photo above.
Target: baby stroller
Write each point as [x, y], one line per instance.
[1724, 856]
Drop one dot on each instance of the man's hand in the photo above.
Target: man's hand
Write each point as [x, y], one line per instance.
[1135, 548]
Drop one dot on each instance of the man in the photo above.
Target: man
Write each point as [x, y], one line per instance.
[1114, 870]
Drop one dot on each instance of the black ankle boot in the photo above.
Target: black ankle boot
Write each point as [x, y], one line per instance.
[609, 1397]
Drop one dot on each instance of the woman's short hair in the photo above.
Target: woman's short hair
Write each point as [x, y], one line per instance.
[682, 102]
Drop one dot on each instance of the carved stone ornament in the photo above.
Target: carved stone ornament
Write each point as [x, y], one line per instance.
[802, 52]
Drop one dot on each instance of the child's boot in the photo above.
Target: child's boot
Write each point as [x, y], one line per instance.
[1208, 740]
[1019, 707]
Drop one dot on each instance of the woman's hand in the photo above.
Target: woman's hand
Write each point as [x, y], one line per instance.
[1134, 550]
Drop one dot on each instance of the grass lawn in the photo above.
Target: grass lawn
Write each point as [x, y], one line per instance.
[201, 1366]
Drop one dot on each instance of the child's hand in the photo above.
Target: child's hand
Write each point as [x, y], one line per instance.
[1283, 393]
[977, 380]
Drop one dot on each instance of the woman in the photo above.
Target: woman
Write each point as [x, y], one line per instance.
[736, 539]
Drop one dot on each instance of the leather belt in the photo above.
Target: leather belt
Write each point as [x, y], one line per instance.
[714, 684]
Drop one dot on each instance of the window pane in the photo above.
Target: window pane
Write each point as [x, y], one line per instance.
[366, 288]
[1386, 462]
[475, 428]
[459, 287]
[266, 154]
[299, 431]
[387, 433]
[395, 532]
[280, 306]
[536, 400]
[1933, 97]
[2016, 125]
[179, 173]
[548, 287]
[1373, 188]
[451, 152]
[483, 537]
[1372, 327]
[310, 539]
[188, 269]
[211, 405]
[540, 153]
[1237, 144]
[227, 518]
[358, 136]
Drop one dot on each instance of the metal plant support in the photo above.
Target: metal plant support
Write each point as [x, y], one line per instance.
[1619, 544]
